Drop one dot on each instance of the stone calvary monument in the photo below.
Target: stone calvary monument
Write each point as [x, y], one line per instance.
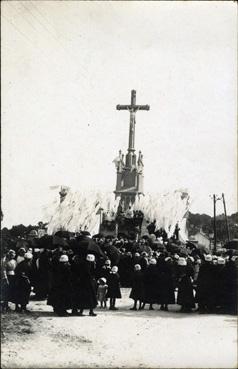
[129, 183]
[126, 210]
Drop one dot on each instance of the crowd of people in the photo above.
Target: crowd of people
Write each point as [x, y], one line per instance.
[91, 271]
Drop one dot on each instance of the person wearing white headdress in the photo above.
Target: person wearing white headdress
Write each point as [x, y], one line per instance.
[208, 257]
[220, 284]
[61, 290]
[150, 280]
[114, 291]
[87, 297]
[231, 284]
[10, 271]
[205, 292]
[166, 295]
[4, 283]
[23, 282]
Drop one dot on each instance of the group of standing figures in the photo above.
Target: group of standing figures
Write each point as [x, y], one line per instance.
[77, 282]
[74, 286]
[163, 281]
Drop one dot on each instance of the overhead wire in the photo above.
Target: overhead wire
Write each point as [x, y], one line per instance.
[67, 52]
[42, 23]
[50, 32]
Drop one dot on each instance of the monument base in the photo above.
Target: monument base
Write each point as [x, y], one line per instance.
[122, 226]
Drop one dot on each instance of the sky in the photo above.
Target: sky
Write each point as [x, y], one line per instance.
[65, 67]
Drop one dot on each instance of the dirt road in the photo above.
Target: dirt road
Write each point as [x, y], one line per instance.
[123, 338]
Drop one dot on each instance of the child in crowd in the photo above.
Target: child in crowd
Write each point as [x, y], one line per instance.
[114, 291]
[137, 287]
[102, 292]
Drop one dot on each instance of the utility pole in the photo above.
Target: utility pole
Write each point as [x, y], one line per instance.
[214, 223]
[215, 199]
[227, 226]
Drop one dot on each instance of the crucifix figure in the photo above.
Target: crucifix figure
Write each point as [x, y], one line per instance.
[132, 108]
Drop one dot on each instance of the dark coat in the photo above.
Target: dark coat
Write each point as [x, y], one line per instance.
[185, 288]
[4, 282]
[76, 275]
[231, 286]
[114, 286]
[219, 285]
[86, 286]
[151, 228]
[126, 269]
[205, 292]
[22, 287]
[165, 284]
[143, 263]
[151, 284]
[42, 282]
[61, 289]
[11, 287]
[137, 292]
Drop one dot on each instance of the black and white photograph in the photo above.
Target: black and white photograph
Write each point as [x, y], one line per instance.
[119, 219]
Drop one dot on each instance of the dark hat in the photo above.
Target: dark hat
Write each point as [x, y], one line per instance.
[145, 237]
[85, 233]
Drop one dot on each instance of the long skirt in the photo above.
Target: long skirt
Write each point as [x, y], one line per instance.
[85, 297]
[60, 298]
[22, 290]
[185, 293]
[11, 288]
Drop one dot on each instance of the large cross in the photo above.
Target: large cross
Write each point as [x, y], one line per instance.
[132, 108]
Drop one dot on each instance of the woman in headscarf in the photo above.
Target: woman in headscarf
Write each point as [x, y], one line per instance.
[4, 285]
[165, 283]
[86, 296]
[205, 291]
[10, 270]
[22, 285]
[150, 284]
[61, 290]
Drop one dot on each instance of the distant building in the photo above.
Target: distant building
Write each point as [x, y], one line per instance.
[201, 238]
